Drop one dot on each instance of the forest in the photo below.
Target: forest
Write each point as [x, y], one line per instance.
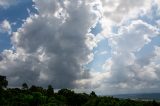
[38, 96]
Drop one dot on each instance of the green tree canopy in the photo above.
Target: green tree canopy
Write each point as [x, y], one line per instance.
[50, 90]
[3, 82]
[24, 86]
[93, 94]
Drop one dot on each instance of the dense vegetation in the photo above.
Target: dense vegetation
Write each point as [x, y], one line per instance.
[38, 96]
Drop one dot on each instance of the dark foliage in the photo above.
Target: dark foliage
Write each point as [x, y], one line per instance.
[3, 82]
[24, 86]
[38, 96]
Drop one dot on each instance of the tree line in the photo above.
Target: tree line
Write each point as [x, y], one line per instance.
[38, 96]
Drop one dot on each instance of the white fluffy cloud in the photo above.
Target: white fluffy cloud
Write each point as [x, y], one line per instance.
[5, 26]
[126, 72]
[118, 12]
[52, 47]
[133, 37]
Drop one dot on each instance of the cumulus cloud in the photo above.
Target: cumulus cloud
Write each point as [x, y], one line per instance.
[52, 47]
[118, 12]
[127, 73]
[5, 26]
[137, 34]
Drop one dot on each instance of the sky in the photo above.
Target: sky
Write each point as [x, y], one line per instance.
[109, 46]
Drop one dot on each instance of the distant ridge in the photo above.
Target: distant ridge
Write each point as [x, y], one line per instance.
[143, 96]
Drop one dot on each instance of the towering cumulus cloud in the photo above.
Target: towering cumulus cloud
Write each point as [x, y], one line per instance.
[110, 46]
[53, 46]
